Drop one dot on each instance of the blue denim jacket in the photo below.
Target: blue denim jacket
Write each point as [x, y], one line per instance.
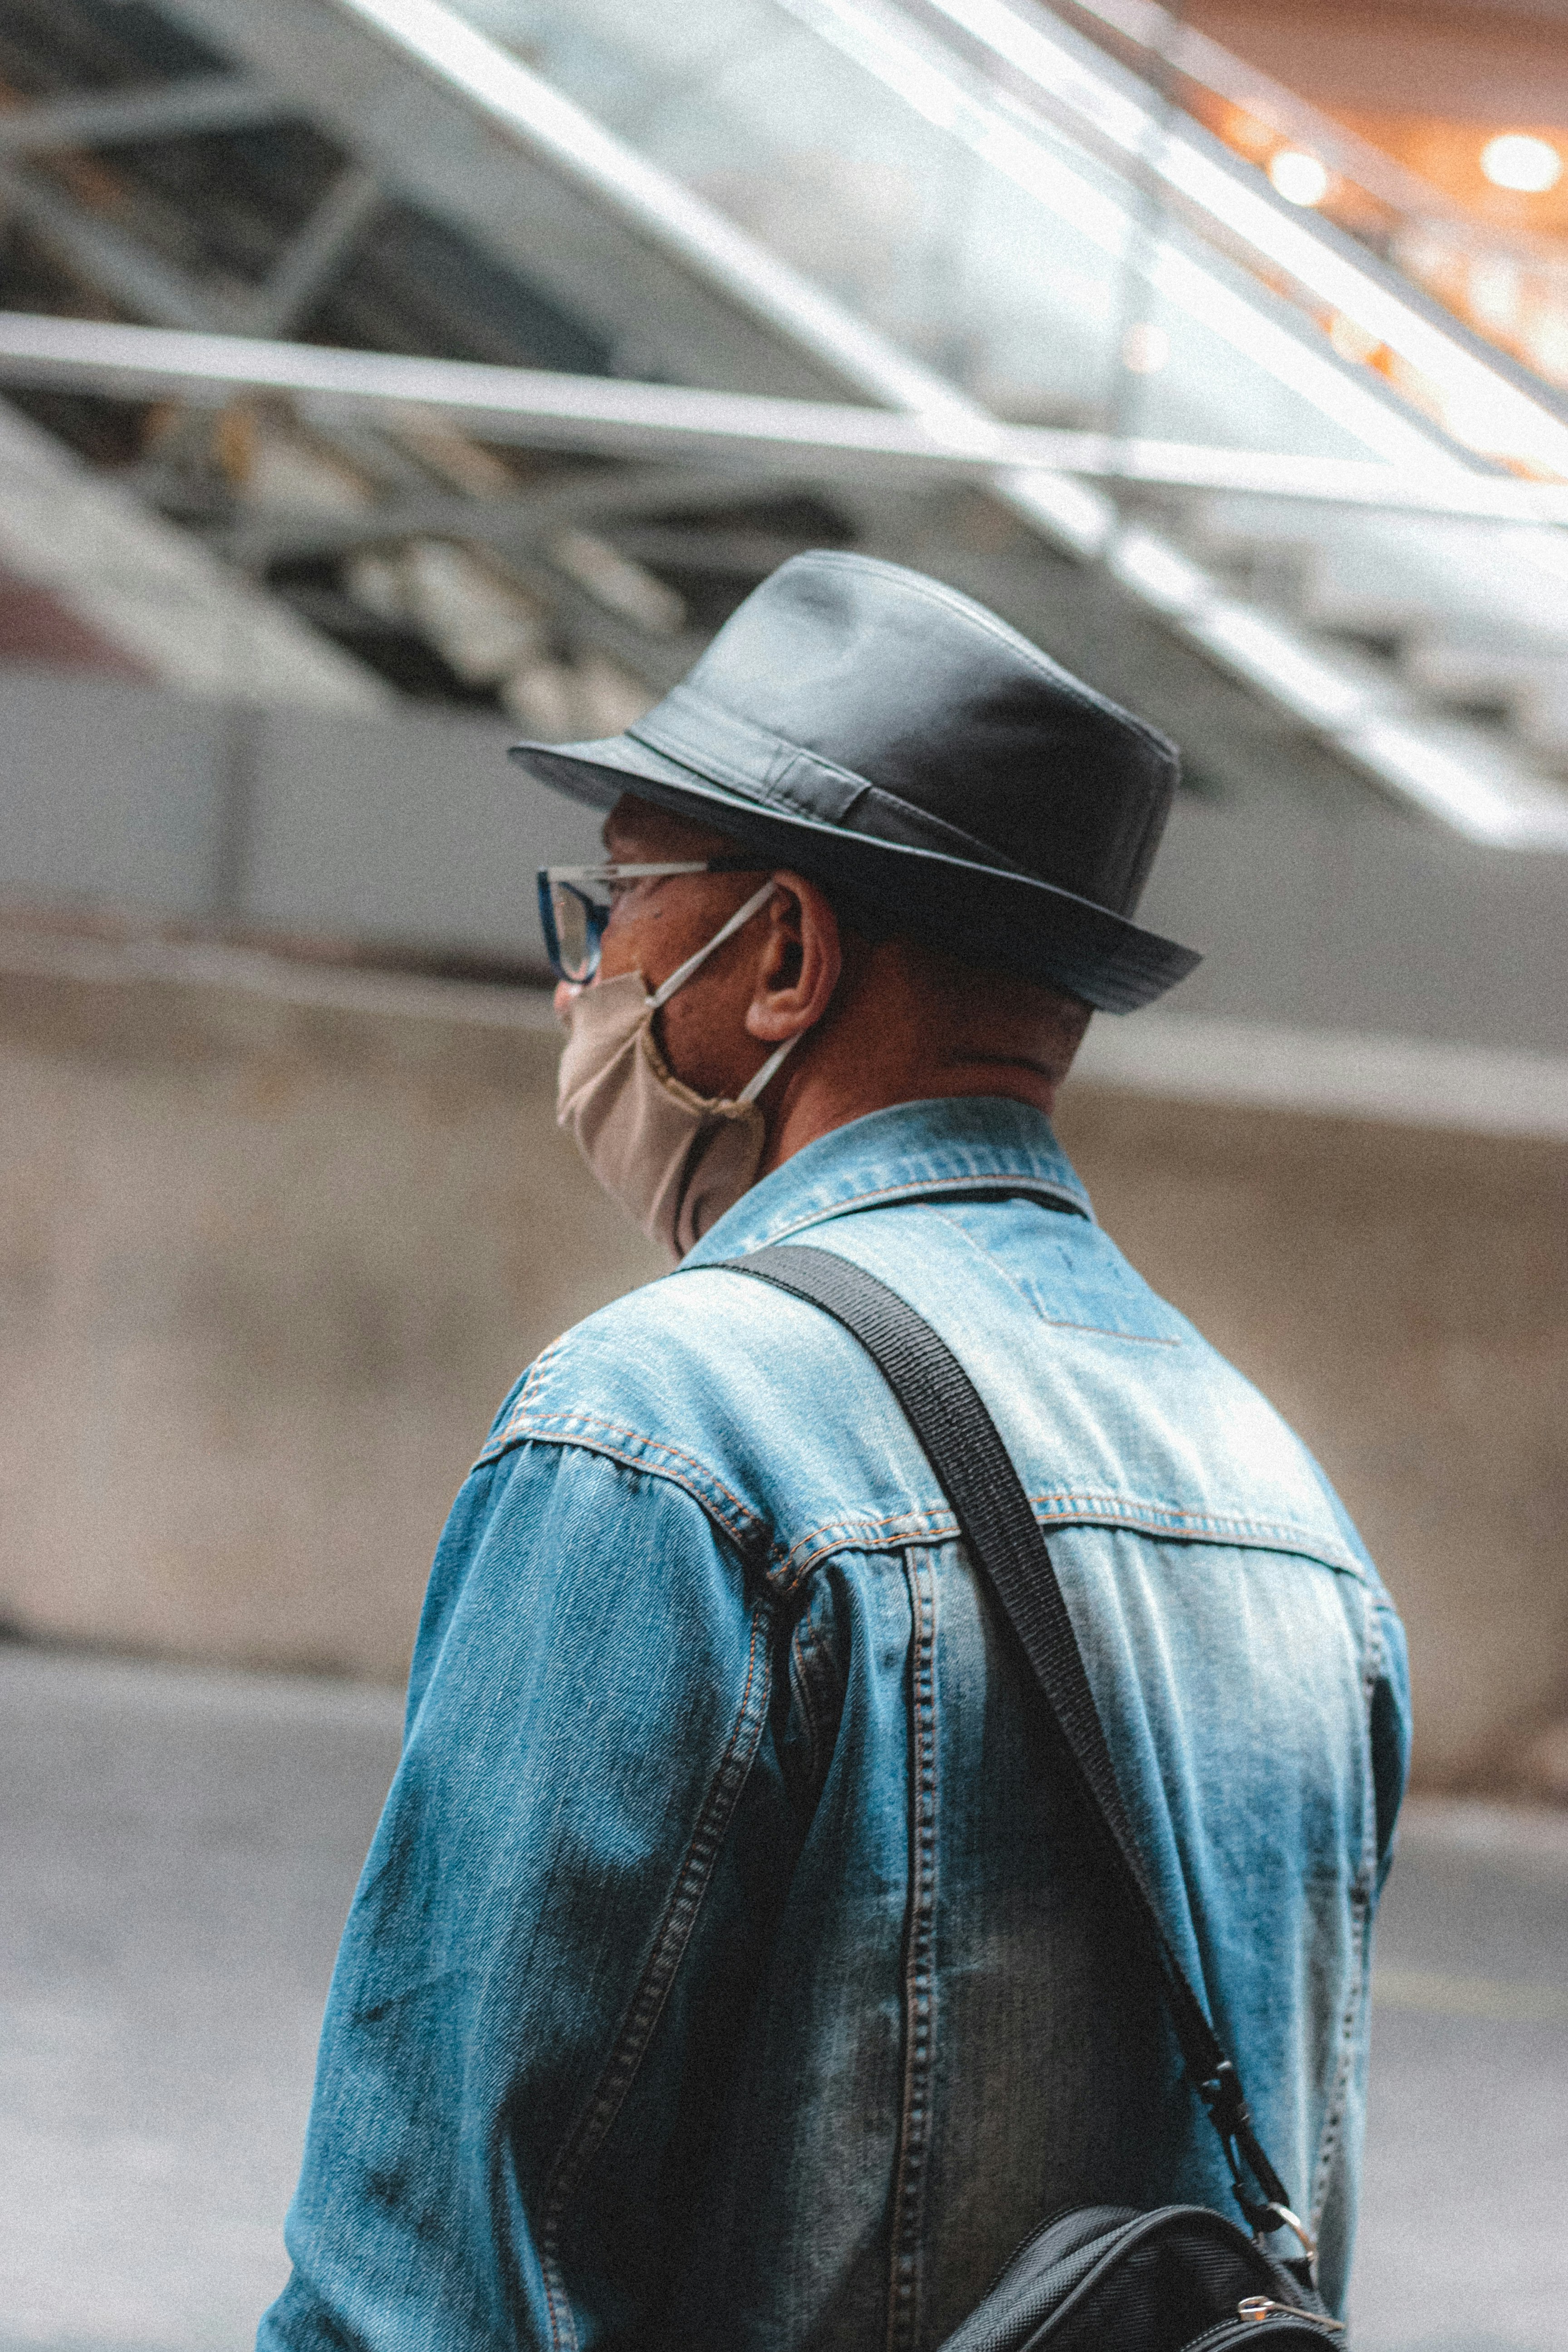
[728, 1969]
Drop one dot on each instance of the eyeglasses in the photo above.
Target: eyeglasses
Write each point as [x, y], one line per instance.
[576, 903]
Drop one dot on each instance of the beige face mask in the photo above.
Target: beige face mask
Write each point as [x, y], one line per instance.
[674, 1160]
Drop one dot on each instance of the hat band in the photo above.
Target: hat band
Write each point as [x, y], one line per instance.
[772, 772]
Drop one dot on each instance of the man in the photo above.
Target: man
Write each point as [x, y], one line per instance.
[731, 1969]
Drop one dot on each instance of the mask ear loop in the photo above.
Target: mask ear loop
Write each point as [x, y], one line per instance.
[683, 972]
[753, 1086]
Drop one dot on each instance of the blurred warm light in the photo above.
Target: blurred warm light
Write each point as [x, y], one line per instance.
[1518, 161]
[1145, 349]
[1515, 296]
[1546, 343]
[1494, 284]
[1299, 177]
[1351, 342]
[1240, 129]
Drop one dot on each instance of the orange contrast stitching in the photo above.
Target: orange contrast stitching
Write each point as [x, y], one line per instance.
[575, 1428]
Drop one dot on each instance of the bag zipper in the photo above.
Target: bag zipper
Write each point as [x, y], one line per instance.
[1261, 2320]
[1262, 2306]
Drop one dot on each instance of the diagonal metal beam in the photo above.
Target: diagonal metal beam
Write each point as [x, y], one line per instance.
[179, 109]
[435, 150]
[110, 261]
[721, 554]
[587, 624]
[606, 496]
[316, 255]
[523, 107]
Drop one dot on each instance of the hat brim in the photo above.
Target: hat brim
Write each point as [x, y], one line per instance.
[1002, 920]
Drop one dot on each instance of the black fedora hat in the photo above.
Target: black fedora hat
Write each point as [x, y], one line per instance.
[900, 744]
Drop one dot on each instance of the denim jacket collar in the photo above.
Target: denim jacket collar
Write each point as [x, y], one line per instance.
[969, 1143]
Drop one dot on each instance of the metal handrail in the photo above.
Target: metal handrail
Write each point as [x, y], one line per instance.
[1153, 34]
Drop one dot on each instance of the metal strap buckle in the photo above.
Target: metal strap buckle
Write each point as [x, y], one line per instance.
[1285, 2220]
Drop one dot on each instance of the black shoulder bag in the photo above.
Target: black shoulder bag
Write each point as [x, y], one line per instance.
[1105, 2278]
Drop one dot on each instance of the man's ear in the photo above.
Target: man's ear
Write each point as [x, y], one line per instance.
[801, 959]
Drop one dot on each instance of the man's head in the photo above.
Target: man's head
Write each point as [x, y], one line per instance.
[860, 723]
[894, 1019]
[943, 837]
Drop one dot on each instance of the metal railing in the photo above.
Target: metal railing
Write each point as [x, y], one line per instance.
[1508, 285]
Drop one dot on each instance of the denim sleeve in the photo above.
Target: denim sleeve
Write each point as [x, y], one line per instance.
[555, 1940]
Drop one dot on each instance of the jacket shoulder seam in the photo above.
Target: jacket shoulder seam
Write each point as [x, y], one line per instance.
[789, 1560]
[789, 1564]
[592, 1433]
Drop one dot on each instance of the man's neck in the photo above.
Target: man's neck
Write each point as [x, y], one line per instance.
[822, 1099]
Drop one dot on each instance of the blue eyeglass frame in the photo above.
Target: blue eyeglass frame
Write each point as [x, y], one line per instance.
[595, 917]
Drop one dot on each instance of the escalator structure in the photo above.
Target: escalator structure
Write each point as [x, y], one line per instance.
[1280, 430]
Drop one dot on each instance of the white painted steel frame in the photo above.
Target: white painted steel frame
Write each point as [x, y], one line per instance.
[607, 416]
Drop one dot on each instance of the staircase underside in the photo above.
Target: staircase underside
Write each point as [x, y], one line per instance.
[298, 177]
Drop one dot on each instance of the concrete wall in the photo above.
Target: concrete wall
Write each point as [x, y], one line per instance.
[415, 830]
[267, 1270]
[1348, 915]
[273, 1246]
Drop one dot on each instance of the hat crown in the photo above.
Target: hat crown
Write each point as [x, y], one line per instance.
[878, 731]
[902, 683]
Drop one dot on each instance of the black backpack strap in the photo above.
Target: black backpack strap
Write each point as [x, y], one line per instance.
[965, 1448]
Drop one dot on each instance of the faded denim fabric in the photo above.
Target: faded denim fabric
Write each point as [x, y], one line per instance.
[728, 1971]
